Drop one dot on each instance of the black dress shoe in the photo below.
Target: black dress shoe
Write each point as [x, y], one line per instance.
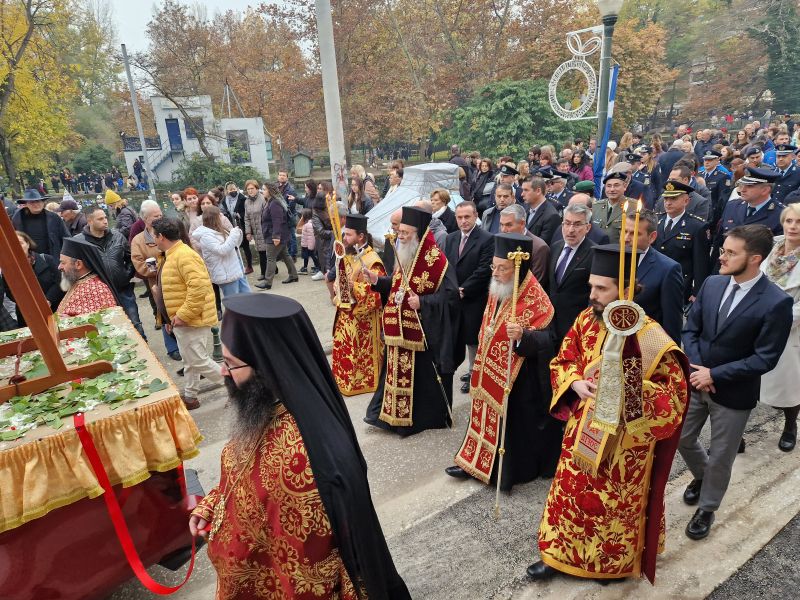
[692, 493]
[465, 387]
[539, 571]
[700, 524]
[175, 355]
[290, 280]
[457, 472]
[179, 372]
[466, 376]
[263, 286]
[741, 447]
[787, 441]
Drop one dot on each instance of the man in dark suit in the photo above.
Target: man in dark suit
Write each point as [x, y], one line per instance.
[667, 159]
[543, 219]
[569, 270]
[508, 174]
[598, 236]
[661, 296]
[736, 331]
[504, 196]
[512, 220]
[684, 238]
[755, 208]
[470, 251]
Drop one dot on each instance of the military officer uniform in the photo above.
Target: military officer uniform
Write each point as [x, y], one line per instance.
[686, 240]
[789, 179]
[606, 216]
[740, 213]
[719, 180]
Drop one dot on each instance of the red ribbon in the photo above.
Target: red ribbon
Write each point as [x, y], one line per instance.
[117, 518]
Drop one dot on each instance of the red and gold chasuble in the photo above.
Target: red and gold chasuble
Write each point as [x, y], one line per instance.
[611, 524]
[357, 344]
[402, 332]
[534, 311]
[275, 540]
[88, 295]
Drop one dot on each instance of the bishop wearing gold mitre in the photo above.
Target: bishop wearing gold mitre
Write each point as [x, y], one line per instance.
[511, 372]
[357, 344]
[421, 308]
[620, 383]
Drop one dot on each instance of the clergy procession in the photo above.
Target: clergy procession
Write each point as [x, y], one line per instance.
[591, 377]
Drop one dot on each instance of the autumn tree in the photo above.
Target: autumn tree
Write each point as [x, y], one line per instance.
[36, 88]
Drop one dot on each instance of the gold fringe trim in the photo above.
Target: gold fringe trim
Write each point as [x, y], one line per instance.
[42, 476]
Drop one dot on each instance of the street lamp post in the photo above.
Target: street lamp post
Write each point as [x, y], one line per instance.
[609, 11]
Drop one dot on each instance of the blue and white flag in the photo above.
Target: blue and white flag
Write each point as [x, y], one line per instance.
[600, 152]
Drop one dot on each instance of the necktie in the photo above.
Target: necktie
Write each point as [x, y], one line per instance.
[726, 306]
[562, 265]
[462, 244]
[668, 228]
[750, 212]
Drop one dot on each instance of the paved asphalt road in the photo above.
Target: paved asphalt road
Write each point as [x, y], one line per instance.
[447, 545]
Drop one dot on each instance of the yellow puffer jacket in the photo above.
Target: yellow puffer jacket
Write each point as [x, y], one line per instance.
[186, 287]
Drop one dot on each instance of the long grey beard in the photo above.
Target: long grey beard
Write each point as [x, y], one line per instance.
[406, 251]
[501, 291]
[65, 284]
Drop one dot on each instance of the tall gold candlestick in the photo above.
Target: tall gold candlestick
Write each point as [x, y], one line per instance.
[634, 245]
[622, 253]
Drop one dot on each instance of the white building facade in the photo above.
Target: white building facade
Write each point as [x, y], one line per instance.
[240, 140]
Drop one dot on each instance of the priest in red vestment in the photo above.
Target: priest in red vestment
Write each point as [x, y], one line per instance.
[514, 353]
[85, 280]
[621, 384]
[292, 516]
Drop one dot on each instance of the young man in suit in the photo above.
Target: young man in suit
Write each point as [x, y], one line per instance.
[569, 270]
[543, 218]
[660, 277]
[470, 251]
[736, 331]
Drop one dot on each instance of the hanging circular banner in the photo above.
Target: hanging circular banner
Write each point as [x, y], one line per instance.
[583, 67]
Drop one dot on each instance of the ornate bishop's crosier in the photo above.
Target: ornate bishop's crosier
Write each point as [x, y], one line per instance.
[517, 257]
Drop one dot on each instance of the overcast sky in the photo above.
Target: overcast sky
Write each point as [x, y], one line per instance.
[132, 17]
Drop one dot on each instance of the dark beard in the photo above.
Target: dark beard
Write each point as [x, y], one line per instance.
[255, 404]
[597, 310]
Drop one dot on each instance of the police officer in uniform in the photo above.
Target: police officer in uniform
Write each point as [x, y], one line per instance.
[788, 170]
[755, 207]
[684, 238]
[640, 176]
[557, 192]
[607, 213]
[718, 180]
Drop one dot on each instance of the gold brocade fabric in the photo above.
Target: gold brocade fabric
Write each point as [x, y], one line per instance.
[52, 472]
[357, 345]
[275, 540]
[594, 525]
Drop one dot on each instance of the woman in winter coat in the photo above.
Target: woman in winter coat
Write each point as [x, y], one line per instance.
[276, 230]
[581, 166]
[484, 183]
[45, 267]
[219, 248]
[253, 207]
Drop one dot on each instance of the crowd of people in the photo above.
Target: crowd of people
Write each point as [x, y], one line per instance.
[612, 324]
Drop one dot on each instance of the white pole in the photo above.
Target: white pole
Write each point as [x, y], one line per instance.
[330, 87]
[151, 174]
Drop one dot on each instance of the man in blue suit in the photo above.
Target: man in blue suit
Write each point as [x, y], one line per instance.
[736, 331]
[755, 208]
[661, 279]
